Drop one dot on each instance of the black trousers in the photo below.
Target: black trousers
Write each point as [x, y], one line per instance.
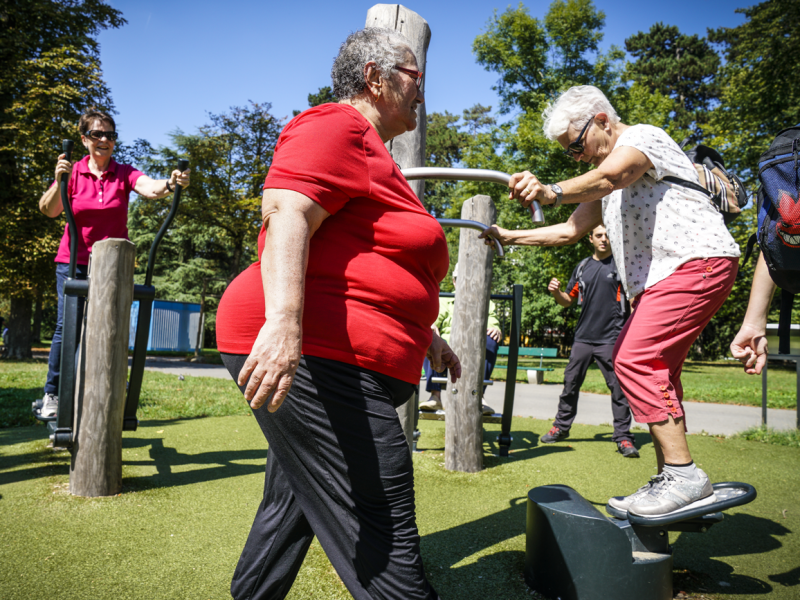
[580, 358]
[338, 467]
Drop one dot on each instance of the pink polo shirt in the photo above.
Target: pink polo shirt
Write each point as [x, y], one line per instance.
[100, 206]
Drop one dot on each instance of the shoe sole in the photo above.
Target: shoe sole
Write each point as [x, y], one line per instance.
[692, 505]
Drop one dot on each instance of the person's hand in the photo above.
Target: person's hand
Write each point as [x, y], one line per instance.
[554, 286]
[750, 347]
[178, 178]
[63, 167]
[526, 188]
[442, 357]
[272, 364]
[495, 334]
[495, 233]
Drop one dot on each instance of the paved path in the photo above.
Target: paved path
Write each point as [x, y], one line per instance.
[541, 402]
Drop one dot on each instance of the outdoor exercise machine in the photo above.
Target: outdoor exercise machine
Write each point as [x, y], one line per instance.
[474, 300]
[71, 383]
[504, 439]
[574, 552]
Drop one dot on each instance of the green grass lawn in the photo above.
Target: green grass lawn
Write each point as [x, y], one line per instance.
[191, 488]
[722, 382]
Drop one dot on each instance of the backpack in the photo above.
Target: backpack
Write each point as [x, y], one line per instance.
[778, 232]
[724, 189]
[621, 298]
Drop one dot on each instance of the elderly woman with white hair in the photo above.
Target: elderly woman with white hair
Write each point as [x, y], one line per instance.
[676, 259]
[327, 332]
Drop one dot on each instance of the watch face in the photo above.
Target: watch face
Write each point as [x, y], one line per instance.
[556, 188]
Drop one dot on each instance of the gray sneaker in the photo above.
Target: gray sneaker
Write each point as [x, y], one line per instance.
[622, 503]
[670, 494]
[49, 405]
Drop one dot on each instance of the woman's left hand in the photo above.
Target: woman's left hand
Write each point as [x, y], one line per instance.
[178, 178]
[442, 357]
[526, 188]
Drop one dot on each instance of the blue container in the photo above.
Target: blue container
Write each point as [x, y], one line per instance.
[173, 326]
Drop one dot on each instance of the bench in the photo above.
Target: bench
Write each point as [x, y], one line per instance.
[535, 374]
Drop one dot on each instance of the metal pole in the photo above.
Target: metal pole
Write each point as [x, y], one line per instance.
[453, 174]
[764, 395]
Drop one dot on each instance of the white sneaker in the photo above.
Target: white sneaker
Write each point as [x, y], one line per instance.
[670, 494]
[622, 503]
[487, 410]
[49, 405]
[432, 405]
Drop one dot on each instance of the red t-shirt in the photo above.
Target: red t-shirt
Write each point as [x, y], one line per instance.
[372, 283]
[100, 206]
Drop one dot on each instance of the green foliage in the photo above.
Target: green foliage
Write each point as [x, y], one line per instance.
[214, 236]
[679, 66]
[768, 435]
[51, 71]
[757, 91]
[323, 96]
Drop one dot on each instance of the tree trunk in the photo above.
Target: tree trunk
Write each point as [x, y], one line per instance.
[96, 468]
[19, 328]
[408, 149]
[37, 319]
[463, 437]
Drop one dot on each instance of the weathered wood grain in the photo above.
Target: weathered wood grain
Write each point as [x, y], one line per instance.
[463, 445]
[408, 149]
[96, 466]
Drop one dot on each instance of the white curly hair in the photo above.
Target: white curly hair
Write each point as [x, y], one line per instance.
[575, 107]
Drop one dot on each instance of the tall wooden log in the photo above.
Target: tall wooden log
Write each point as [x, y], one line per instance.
[463, 442]
[96, 466]
[408, 149]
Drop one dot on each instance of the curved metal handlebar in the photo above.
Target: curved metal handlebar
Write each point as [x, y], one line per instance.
[66, 147]
[454, 174]
[471, 225]
[183, 164]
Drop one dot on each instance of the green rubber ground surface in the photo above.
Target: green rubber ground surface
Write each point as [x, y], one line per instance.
[191, 488]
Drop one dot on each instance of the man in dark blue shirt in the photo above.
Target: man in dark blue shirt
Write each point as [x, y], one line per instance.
[604, 310]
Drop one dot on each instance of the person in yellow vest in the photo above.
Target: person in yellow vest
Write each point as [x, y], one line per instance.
[443, 324]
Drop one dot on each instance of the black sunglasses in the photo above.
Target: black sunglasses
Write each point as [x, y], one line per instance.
[97, 134]
[417, 75]
[576, 147]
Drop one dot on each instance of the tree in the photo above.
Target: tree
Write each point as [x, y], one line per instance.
[214, 236]
[758, 96]
[677, 65]
[51, 71]
[323, 96]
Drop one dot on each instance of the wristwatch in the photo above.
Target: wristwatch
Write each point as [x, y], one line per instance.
[559, 193]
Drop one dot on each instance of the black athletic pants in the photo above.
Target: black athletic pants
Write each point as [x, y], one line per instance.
[579, 360]
[338, 467]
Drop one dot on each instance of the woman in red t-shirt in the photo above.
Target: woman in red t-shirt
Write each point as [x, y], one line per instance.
[335, 319]
[98, 190]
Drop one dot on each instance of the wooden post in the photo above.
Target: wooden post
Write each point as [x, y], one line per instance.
[96, 467]
[408, 149]
[463, 441]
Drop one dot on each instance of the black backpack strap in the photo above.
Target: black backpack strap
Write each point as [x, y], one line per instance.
[785, 322]
[688, 184]
[751, 242]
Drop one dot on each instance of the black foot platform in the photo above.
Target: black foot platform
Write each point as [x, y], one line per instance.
[728, 494]
[574, 552]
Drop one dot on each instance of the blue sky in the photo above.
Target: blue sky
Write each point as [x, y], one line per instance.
[176, 60]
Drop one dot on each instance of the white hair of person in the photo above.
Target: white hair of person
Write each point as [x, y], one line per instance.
[386, 47]
[575, 107]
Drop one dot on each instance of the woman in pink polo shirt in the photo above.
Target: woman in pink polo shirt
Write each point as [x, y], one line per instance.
[99, 188]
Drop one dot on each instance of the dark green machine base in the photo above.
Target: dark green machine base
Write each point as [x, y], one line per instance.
[574, 552]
